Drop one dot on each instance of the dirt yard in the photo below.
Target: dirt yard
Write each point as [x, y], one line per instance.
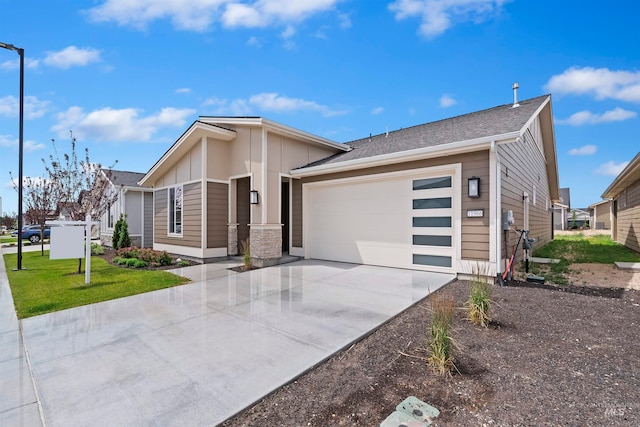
[551, 356]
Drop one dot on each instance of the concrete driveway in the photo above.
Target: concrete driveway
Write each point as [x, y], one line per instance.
[199, 353]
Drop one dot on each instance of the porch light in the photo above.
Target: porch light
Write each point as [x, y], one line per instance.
[253, 197]
[474, 187]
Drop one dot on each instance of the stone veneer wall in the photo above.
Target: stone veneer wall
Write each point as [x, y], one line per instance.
[232, 239]
[265, 245]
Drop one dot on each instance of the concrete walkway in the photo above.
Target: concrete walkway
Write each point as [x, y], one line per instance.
[198, 353]
[18, 403]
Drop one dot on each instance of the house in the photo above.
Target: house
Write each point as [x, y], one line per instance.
[561, 210]
[126, 197]
[600, 215]
[624, 193]
[429, 197]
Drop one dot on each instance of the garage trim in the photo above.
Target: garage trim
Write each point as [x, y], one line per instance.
[454, 170]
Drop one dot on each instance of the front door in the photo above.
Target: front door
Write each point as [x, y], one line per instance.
[243, 210]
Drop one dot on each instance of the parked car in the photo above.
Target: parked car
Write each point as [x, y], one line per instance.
[32, 233]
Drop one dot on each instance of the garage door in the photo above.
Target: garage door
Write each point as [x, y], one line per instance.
[405, 220]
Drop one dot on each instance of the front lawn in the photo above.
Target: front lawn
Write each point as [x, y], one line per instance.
[51, 285]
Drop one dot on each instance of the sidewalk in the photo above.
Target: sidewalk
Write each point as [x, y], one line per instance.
[18, 400]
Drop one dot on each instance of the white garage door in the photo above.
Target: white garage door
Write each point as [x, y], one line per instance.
[405, 220]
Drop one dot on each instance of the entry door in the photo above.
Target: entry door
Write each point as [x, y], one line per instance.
[243, 209]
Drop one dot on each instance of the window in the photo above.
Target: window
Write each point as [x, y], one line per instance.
[432, 183]
[175, 210]
[109, 216]
[433, 203]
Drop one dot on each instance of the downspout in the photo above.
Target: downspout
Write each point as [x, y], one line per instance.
[498, 205]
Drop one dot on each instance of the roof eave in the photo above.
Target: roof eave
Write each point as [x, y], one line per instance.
[277, 127]
[629, 175]
[451, 148]
[218, 132]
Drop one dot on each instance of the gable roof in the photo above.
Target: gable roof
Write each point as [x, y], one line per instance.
[502, 122]
[629, 175]
[123, 178]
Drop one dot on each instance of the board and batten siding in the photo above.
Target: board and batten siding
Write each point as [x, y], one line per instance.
[628, 217]
[296, 213]
[474, 232]
[523, 170]
[148, 220]
[217, 213]
[191, 217]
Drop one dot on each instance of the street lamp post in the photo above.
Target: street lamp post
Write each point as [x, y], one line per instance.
[20, 146]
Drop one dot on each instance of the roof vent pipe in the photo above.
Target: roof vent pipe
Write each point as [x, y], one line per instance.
[515, 87]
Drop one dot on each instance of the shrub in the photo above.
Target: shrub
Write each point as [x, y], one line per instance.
[124, 240]
[183, 263]
[131, 262]
[140, 264]
[120, 261]
[246, 254]
[115, 239]
[479, 303]
[150, 256]
[441, 343]
[97, 249]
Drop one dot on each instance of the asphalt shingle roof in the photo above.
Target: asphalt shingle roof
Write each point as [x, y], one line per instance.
[494, 121]
[124, 178]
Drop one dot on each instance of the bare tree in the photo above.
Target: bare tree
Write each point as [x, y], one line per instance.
[83, 187]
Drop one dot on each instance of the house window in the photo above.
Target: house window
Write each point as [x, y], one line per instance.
[109, 216]
[175, 210]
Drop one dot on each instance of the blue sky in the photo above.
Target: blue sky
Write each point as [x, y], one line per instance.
[128, 77]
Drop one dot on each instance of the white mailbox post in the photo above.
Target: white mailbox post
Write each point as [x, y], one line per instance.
[73, 240]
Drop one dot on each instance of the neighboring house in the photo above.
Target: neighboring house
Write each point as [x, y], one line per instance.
[561, 210]
[600, 215]
[429, 197]
[577, 218]
[127, 198]
[624, 192]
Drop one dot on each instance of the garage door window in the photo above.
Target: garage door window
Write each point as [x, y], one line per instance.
[432, 240]
[433, 260]
[431, 183]
[433, 203]
[432, 221]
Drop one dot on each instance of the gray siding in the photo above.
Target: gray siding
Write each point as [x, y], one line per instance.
[191, 217]
[148, 220]
[217, 213]
[628, 217]
[522, 167]
[475, 231]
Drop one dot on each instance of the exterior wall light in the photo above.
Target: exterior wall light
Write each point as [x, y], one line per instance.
[254, 198]
[474, 187]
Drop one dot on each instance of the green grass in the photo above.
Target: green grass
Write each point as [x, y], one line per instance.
[51, 285]
[577, 248]
[8, 239]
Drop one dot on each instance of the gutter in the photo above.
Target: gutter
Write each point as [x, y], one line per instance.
[405, 156]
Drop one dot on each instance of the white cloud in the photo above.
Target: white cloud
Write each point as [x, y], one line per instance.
[600, 83]
[447, 101]
[440, 15]
[588, 118]
[611, 168]
[72, 57]
[253, 41]
[377, 110]
[268, 102]
[124, 124]
[183, 90]
[345, 20]
[200, 15]
[261, 13]
[14, 64]
[585, 150]
[29, 145]
[33, 107]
